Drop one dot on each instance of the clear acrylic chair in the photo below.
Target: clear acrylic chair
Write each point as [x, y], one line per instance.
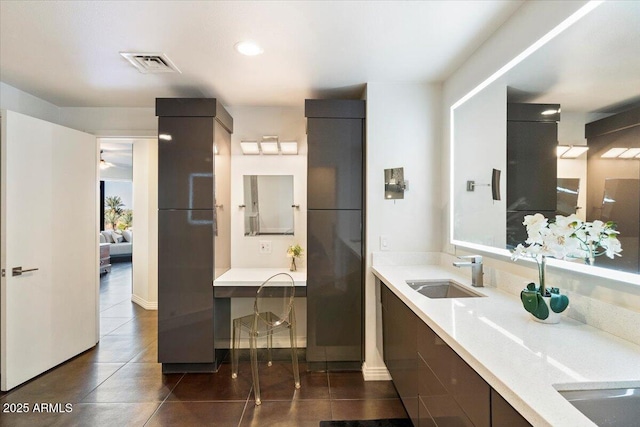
[275, 294]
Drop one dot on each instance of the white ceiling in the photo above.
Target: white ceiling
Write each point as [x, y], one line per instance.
[67, 52]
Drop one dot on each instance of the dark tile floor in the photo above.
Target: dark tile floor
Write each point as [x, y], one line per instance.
[119, 383]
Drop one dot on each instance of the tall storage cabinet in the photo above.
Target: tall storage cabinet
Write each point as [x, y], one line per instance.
[532, 165]
[335, 135]
[188, 226]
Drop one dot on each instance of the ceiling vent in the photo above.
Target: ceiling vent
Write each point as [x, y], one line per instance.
[148, 63]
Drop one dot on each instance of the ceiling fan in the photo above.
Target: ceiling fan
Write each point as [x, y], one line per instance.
[104, 164]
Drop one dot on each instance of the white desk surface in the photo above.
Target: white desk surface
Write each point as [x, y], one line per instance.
[255, 276]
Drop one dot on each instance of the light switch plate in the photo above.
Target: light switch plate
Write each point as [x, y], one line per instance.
[384, 243]
[265, 246]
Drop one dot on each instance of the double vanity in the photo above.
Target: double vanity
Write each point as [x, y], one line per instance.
[475, 357]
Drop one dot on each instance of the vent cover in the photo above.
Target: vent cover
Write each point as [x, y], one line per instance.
[148, 63]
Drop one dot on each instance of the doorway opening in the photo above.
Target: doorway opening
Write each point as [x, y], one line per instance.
[116, 222]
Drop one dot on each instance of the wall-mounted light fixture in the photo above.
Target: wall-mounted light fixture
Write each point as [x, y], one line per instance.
[269, 146]
[250, 147]
[570, 151]
[622, 153]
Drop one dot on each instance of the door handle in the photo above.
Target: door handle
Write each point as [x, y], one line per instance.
[17, 271]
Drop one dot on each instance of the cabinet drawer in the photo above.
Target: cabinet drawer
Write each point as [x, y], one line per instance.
[461, 383]
[104, 261]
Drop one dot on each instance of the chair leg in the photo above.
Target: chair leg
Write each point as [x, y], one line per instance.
[269, 342]
[254, 366]
[235, 349]
[294, 348]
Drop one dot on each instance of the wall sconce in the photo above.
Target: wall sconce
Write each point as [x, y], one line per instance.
[269, 146]
[250, 147]
[570, 151]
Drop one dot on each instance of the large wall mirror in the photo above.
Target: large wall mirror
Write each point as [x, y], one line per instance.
[268, 205]
[588, 78]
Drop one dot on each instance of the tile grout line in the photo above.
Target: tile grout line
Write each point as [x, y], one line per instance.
[164, 400]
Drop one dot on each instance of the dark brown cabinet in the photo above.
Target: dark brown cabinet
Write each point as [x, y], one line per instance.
[436, 386]
[189, 188]
[532, 164]
[335, 231]
[503, 414]
[400, 350]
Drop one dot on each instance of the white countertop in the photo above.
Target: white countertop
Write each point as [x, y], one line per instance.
[255, 276]
[521, 359]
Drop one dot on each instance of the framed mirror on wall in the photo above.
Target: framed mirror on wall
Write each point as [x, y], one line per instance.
[589, 70]
[268, 205]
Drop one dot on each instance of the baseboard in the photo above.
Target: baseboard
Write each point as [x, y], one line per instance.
[375, 374]
[147, 305]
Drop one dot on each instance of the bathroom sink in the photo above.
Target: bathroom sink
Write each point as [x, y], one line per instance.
[607, 407]
[442, 289]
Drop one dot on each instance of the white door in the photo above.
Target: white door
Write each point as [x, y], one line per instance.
[48, 220]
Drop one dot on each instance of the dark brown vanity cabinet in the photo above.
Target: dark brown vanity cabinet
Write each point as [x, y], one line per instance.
[400, 331]
[437, 387]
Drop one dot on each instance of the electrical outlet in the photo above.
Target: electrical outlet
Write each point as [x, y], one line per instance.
[384, 243]
[265, 246]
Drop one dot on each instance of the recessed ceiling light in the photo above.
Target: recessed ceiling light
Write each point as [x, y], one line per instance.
[249, 48]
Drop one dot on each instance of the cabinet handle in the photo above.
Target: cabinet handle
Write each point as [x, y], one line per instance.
[17, 271]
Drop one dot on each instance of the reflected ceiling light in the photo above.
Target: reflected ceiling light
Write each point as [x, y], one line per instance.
[250, 147]
[249, 48]
[215, 149]
[550, 112]
[630, 153]
[165, 137]
[613, 153]
[622, 153]
[290, 147]
[572, 151]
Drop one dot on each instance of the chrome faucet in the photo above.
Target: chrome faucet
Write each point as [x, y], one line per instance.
[475, 262]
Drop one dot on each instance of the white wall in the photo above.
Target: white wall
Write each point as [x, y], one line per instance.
[403, 129]
[22, 102]
[528, 24]
[145, 225]
[251, 123]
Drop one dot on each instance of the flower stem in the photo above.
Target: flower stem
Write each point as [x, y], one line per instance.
[542, 262]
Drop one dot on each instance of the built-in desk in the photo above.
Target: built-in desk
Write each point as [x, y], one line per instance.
[244, 282]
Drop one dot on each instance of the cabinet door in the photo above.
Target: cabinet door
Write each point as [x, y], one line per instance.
[532, 166]
[185, 291]
[503, 414]
[334, 286]
[400, 350]
[185, 163]
[451, 390]
[334, 163]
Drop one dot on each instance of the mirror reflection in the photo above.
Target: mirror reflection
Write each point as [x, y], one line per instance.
[580, 89]
[268, 201]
